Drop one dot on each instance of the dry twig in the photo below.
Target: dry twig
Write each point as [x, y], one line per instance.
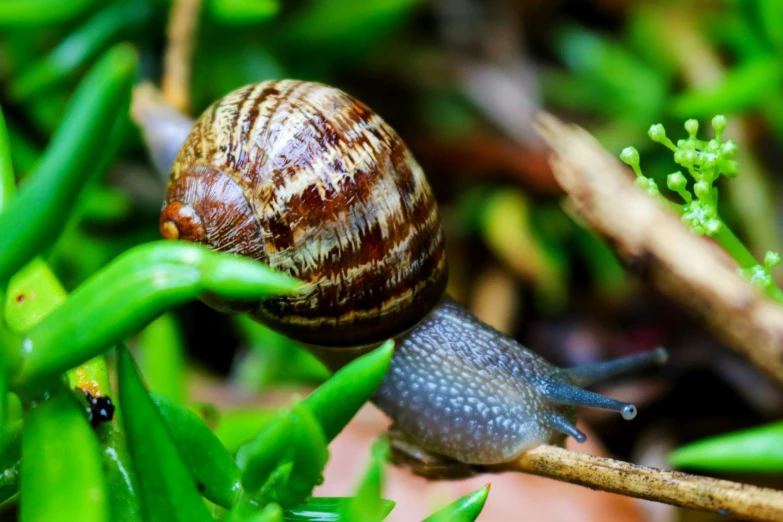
[653, 241]
[176, 63]
[670, 487]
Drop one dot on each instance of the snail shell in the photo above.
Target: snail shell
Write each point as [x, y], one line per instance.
[308, 180]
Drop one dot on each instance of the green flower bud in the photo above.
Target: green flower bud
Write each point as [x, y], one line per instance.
[692, 126]
[657, 133]
[728, 150]
[771, 260]
[676, 181]
[701, 189]
[712, 226]
[719, 123]
[630, 156]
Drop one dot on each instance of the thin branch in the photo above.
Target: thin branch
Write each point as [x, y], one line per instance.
[655, 243]
[670, 487]
[181, 31]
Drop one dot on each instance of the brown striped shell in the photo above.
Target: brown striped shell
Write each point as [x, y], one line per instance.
[307, 179]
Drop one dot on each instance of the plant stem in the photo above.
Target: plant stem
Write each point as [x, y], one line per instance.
[731, 243]
[736, 249]
[181, 31]
[670, 487]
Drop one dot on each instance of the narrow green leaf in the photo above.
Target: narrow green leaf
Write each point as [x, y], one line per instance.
[211, 466]
[753, 450]
[34, 219]
[344, 27]
[7, 179]
[33, 293]
[79, 47]
[243, 12]
[744, 87]
[123, 487]
[132, 290]
[24, 14]
[328, 509]
[259, 457]
[10, 459]
[367, 504]
[167, 490]
[160, 355]
[336, 401]
[61, 467]
[465, 509]
[309, 458]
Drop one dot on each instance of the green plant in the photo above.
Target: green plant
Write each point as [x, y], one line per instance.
[756, 449]
[705, 162]
[63, 452]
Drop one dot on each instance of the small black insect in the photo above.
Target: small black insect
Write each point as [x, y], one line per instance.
[100, 409]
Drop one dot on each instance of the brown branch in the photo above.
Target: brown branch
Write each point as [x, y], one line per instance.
[670, 487]
[176, 62]
[649, 238]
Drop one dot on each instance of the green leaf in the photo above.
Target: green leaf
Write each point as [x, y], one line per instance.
[61, 467]
[167, 490]
[344, 28]
[309, 458]
[23, 14]
[464, 509]
[367, 504]
[33, 293]
[293, 440]
[328, 509]
[753, 450]
[160, 355]
[131, 291]
[7, 179]
[10, 459]
[258, 458]
[34, 219]
[744, 87]
[243, 12]
[123, 487]
[208, 462]
[79, 47]
[336, 401]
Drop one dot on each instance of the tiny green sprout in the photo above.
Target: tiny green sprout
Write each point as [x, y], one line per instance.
[677, 183]
[649, 186]
[728, 150]
[702, 218]
[692, 126]
[658, 134]
[771, 260]
[719, 123]
[705, 161]
[702, 190]
[630, 156]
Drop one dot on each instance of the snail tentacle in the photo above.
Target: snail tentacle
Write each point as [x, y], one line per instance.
[586, 375]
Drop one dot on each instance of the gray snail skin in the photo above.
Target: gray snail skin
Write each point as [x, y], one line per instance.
[308, 180]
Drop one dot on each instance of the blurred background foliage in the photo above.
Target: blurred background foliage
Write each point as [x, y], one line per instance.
[460, 81]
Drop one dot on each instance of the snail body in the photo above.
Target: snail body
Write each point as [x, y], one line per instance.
[309, 180]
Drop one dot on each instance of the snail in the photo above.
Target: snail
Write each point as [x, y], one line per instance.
[310, 181]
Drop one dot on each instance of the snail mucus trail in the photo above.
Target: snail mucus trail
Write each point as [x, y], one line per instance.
[308, 180]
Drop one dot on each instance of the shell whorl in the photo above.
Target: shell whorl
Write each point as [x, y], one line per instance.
[307, 179]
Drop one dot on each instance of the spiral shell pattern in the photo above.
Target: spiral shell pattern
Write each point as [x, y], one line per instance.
[307, 179]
